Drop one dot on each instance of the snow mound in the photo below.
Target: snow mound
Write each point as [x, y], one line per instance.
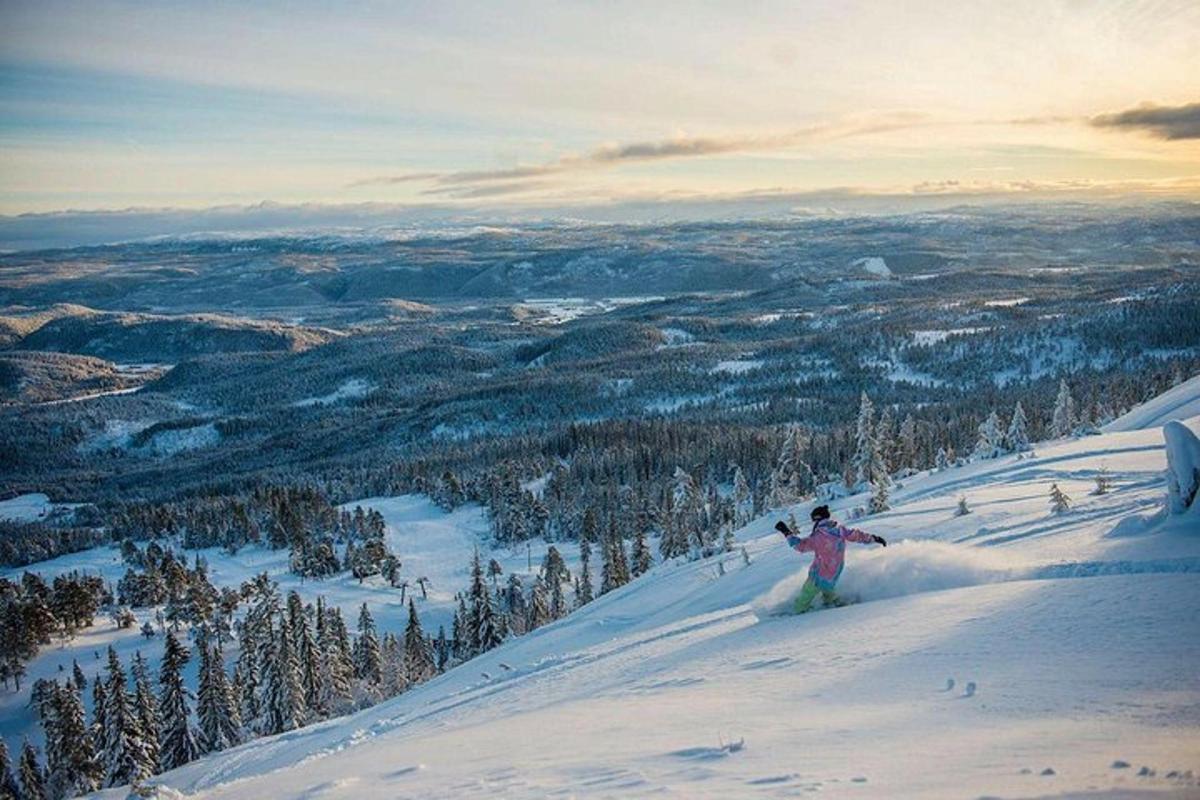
[907, 567]
[1178, 403]
[1183, 467]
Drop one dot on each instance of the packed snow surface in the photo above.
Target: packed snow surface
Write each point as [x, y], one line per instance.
[1009, 652]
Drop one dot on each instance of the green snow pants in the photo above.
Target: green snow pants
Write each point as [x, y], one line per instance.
[808, 594]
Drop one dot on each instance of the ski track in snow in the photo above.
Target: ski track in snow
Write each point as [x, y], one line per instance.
[1008, 652]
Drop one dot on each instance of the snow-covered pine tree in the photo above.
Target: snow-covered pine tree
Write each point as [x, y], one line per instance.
[885, 435]
[336, 666]
[539, 605]
[865, 445]
[99, 726]
[368, 653]
[963, 509]
[282, 700]
[76, 769]
[1103, 481]
[216, 706]
[441, 649]
[583, 585]
[77, 676]
[125, 756]
[743, 501]
[1017, 437]
[792, 479]
[1063, 420]
[906, 444]
[514, 605]
[395, 680]
[880, 493]
[179, 741]
[990, 443]
[305, 648]
[33, 777]
[643, 559]
[1059, 502]
[418, 661]
[145, 705]
[9, 790]
[685, 504]
[941, 462]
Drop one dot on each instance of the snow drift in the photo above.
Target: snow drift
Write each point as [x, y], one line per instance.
[1183, 467]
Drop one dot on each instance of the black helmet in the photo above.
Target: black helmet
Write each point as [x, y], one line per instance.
[819, 513]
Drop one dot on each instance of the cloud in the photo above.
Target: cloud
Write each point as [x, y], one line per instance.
[468, 183]
[1165, 122]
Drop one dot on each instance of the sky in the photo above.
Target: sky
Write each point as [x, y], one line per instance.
[462, 105]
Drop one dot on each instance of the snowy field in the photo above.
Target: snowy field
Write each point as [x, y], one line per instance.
[1008, 653]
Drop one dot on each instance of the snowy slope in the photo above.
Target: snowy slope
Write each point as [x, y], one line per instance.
[1079, 632]
[1180, 402]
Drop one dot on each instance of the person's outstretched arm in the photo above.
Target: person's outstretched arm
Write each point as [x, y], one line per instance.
[798, 543]
[862, 537]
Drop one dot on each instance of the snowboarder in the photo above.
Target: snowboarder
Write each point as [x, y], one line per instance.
[827, 543]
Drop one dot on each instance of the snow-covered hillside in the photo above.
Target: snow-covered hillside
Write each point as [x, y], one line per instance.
[1006, 652]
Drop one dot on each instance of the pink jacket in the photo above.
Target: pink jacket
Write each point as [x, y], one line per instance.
[827, 543]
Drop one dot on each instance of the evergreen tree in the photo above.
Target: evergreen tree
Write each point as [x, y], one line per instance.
[743, 501]
[336, 666]
[1063, 420]
[216, 706]
[125, 755]
[1059, 502]
[906, 444]
[8, 781]
[76, 769]
[583, 585]
[539, 605]
[418, 661]
[1017, 438]
[941, 462]
[881, 491]
[146, 707]
[368, 656]
[792, 479]
[483, 627]
[1103, 481]
[962, 509]
[99, 726]
[282, 700]
[33, 778]
[179, 741]
[865, 445]
[990, 443]
[643, 559]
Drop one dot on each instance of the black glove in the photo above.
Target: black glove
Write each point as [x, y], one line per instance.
[782, 527]
[879, 540]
